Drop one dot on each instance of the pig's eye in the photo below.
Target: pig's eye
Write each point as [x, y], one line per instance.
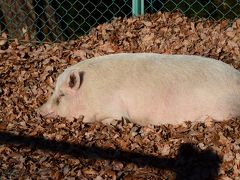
[61, 94]
[58, 99]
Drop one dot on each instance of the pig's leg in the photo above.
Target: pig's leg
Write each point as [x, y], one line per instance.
[108, 120]
[105, 118]
[111, 112]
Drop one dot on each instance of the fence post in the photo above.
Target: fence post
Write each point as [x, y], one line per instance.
[137, 7]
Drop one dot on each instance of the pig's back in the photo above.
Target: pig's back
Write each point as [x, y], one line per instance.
[149, 68]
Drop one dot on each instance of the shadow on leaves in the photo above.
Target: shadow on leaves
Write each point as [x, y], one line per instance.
[190, 163]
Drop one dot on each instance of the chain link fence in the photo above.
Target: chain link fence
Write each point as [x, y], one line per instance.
[209, 9]
[60, 20]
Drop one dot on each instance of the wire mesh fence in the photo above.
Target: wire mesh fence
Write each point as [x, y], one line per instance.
[209, 9]
[58, 20]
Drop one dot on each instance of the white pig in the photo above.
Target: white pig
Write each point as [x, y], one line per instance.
[146, 88]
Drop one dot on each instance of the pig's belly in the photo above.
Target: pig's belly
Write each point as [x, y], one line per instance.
[152, 108]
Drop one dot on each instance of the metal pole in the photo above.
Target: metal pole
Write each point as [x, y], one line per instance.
[137, 7]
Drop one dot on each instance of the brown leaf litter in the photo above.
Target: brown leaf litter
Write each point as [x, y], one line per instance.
[36, 147]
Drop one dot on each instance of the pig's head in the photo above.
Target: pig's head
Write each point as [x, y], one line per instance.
[65, 100]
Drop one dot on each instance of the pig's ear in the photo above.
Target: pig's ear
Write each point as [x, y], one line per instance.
[74, 80]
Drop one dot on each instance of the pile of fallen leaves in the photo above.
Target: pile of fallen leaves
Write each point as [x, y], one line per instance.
[35, 147]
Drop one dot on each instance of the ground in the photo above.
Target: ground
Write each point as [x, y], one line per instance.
[38, 147]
